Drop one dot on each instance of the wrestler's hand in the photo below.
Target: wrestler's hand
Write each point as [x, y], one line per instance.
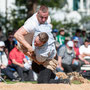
[32, 55]
[30, 49]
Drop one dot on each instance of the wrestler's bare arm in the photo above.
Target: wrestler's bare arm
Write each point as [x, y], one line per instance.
[19, 35]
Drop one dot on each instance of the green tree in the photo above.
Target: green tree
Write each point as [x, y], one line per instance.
[25, 9]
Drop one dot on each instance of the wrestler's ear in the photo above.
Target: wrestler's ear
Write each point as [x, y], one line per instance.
[38, 13]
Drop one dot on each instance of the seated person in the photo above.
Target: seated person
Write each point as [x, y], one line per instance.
[85, 52]
[17, 61]
[76, 50]
[65, 57]
[4, 62]
[78, 34]
[60, 38]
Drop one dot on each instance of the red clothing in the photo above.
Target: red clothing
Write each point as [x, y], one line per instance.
[17, 55]
[76, 49]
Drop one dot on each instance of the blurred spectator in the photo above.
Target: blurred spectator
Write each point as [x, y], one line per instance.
[3, 57]
[76, 50]
[61, 38]
[66, 40]
[65, 57]
[4, 62]
[88, 36]
[85, 52]
[55, 32]
[78, 34]
[2, 36]
[10, 43]
[84, 35]
[18, 61]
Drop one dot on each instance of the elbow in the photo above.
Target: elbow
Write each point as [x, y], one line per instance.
[16, 35]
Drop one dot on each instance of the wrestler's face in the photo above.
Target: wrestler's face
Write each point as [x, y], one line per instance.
[42, 17]
[37, 42]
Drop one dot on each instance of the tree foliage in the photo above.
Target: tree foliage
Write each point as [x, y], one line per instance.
[24, 9]
[53, 3]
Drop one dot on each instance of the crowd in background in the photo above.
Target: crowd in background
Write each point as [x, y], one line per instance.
[72, 53]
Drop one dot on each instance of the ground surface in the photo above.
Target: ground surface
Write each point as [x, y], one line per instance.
[29, 86]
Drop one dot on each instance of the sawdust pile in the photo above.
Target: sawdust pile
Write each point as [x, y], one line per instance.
[73, 75]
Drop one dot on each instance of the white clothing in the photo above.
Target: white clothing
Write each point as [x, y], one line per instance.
[47, 29]
[27, 66]
[83, 49]
[48, 50]
[31, 25]
[3, 59]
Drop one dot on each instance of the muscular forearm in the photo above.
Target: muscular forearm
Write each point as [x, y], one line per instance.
[19, 35]
[33, 57]
[86, 54]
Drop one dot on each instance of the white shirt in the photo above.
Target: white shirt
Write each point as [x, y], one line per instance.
[3, 59]
[83, 49]
[48, 50]
[31, 25]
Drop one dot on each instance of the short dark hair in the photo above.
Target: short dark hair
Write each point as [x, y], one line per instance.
[86, 40]
[43, 37]
[43, 8]
[78, 30]
[0, 28]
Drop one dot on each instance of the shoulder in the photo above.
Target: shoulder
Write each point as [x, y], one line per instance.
[13, 51]
[82, 47]
[31, 19]
[62, 48]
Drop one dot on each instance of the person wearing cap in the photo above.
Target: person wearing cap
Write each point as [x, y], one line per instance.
[76, 60]
[55, 32]
[66, 55]
[85, 52]
[4, 63]
[78, 34]
[60, 37]
[76, 48]
[17, 61]
[3, 57]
